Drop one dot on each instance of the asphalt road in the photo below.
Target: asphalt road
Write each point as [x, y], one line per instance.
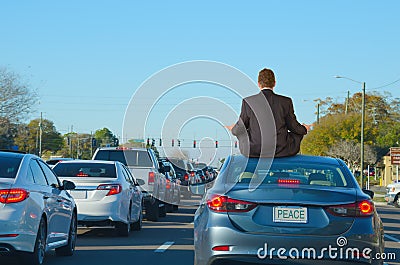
[170, 241]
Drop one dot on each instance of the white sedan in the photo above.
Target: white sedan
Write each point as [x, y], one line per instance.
[37, 213]
[106, 194]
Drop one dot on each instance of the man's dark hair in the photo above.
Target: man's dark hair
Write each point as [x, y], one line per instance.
[266, 78]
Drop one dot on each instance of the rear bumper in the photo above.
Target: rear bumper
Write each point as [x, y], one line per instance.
[101, 213]
[276, 248]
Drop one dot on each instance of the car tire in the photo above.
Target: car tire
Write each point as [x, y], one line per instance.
[396, 201]
[68, 250]
[137, 226]
[37, 256]
[163, 210]
[124, 229]
[152, 211]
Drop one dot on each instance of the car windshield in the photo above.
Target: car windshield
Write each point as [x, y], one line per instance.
[9, 167]
[85, 170]
[284, 172]
[135, 158]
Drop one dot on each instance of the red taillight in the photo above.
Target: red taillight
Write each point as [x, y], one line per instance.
[219, 203]
[112, 188]
[221, 248]
[151, 177]
[9, 235]
[186, 176]
[289, 181]
[81, 174]
[358, 209]
[168, 186]
[13, 195]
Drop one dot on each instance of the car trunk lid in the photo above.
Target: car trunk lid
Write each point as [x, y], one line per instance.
[292, 210]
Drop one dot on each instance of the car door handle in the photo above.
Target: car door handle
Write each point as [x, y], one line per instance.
[46, 197]
[59, 200]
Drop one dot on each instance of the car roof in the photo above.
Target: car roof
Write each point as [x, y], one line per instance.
[122, 148]
[298, 159]
[88, 162]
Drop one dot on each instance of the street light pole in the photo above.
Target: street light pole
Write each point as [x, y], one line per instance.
[362, 127]
[362, 133]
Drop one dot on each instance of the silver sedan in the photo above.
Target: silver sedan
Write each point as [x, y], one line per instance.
[37, 213]
[106, 194]
[293, 210]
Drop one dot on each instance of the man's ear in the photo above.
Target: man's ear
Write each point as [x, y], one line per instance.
[259, 85]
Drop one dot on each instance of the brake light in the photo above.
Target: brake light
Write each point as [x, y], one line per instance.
[13, 195]
[289, 181]
[186, 176]
[221, 248]
[220, 203]
[358, 209]
[151, 177]
[81, 174]
[9, 235]
[192, 174]
[112, 188]
[168, 186]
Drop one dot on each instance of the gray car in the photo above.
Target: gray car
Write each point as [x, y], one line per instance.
[292, 210]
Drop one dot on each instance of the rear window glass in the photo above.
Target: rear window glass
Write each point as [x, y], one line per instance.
[135, 158]
[280, 172]
[85, 170]
[9, 167]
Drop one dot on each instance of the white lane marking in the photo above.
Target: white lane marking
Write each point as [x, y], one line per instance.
[164, 247]
[392, 238]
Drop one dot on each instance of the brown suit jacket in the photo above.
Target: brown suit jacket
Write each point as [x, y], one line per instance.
[268, 127]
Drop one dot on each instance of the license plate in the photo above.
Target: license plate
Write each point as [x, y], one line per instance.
[79, 194]
[288, 214]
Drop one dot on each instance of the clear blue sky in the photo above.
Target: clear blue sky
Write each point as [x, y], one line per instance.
[86, 58]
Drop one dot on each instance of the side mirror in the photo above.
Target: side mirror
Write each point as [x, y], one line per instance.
[198, 189]
[140, 182]
[370, 193]
[68, 185]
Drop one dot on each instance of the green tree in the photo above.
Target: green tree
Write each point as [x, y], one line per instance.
[105, 137]
[77, 145]
[338, 134]
[29, 135]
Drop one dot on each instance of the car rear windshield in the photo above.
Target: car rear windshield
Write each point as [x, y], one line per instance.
[136, 158]
[9, 167]
[281, 172]
[85, 170]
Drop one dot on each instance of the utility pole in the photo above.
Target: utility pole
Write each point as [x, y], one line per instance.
[318, 113]
[347, 102]
[40, 135]
[362, 132]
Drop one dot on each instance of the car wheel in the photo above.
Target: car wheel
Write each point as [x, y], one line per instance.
[124, 229]
[69, 249]
[39, 251]
[396, 201]
[152, 211]
[136, 226]
[163, 210]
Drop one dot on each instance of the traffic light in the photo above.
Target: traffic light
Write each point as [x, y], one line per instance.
[173, 142]
[216, 144]
[194, 143]
[235, 144]
[179, 142]
[116, 142]
[94, 141]
[160, 142]
[153, 142]
[148, 141]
